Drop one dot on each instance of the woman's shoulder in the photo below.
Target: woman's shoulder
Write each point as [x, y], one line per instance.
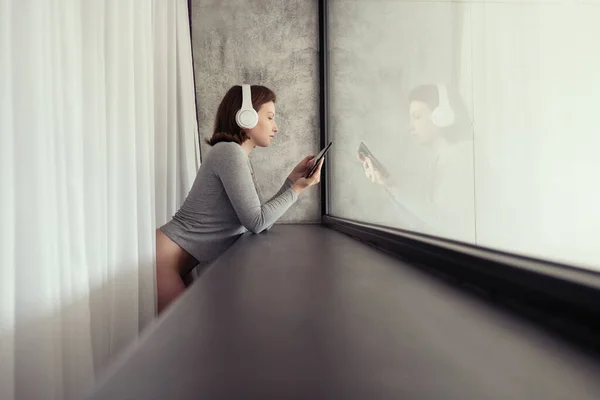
[225, 152]
[223, 148]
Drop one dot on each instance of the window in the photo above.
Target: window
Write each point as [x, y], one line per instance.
[469, 121]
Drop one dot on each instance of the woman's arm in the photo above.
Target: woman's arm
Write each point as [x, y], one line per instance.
[451, 213]
[234, 171]
[286, 185]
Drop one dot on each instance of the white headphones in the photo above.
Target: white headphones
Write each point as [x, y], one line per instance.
[246, 117]
[443, 115]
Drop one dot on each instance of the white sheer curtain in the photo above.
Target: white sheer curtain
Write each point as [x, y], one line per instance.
[98, 146]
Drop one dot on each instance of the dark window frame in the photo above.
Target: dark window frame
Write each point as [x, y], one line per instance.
[189, 9]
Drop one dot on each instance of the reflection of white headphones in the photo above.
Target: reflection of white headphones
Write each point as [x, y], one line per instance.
[443, 115]
[246, 117]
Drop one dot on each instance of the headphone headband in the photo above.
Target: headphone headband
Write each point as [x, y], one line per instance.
[246, 97]
[443, 99]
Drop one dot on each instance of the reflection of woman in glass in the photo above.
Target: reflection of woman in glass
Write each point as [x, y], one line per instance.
[439, 120]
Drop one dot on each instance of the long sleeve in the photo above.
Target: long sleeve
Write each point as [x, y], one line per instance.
[451, 210]
[286, 185]
[233, 170]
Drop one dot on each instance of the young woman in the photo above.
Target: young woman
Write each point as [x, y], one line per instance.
[223, 203]
[439, 120]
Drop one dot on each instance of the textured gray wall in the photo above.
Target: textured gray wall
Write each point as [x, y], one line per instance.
[272, 43]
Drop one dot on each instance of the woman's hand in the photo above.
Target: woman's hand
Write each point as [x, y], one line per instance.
[301, 169]
[372, 173]
[302, 183]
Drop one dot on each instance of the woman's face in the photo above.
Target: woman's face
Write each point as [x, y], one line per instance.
[265, 130]
[421, 125]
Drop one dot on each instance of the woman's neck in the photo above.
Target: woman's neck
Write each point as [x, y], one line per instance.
[248, 146]
[440, 147]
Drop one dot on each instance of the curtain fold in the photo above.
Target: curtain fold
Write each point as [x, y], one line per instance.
[98, 128]
[7, 206]
[176, 164]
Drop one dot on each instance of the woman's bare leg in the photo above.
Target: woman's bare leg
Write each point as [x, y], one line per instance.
[171, 261]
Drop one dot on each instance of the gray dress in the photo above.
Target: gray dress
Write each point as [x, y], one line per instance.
[223, 204]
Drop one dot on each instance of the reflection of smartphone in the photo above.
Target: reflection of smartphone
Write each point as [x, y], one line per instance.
[317, 160]
[363, 151]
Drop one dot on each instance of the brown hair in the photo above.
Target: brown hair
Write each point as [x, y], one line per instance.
[226, 129]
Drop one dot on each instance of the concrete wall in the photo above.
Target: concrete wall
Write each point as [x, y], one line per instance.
[272, 43]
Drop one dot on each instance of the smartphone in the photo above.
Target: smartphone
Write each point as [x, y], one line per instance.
[317, 159]
[363, 151]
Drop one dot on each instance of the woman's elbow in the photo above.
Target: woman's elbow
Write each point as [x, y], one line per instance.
[254, 223]
[255, 227]
[254, 230]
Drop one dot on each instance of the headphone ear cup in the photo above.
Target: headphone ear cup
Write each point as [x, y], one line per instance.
[443, 117]
[246, 118]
